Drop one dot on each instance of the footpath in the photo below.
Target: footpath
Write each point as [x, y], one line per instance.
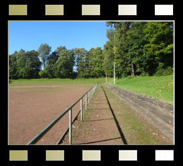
[110, 121]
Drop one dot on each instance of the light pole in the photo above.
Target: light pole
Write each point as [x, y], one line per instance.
[114, 58]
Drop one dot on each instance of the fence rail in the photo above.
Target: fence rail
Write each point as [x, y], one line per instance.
[87, 97]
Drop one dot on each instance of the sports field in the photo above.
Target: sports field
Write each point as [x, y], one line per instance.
[35, 103]
[33, 106]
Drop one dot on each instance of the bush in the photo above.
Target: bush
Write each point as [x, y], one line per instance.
[42, 74]
[49, 73]
[168, 71]
[164, 72]
[144, 74]
[159, 72]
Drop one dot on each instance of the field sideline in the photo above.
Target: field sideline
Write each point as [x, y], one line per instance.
[160, 87]
[58, 81]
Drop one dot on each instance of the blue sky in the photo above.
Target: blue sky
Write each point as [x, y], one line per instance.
[29, 35]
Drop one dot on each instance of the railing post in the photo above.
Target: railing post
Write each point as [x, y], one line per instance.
[88, 97]
[81, 107]
[86, 101]
[90, 94]
[70, 126]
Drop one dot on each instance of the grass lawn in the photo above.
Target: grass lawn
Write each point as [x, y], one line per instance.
[58, 81]
[160, 87]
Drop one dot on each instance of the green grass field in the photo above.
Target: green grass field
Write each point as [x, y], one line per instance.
[160, 87]
[58, 81]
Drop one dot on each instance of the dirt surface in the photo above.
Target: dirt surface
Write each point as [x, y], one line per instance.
[33, 107]
[95, 128]
[159, 113]
[110, 121]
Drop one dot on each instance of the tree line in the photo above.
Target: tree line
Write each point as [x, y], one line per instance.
[136, 48]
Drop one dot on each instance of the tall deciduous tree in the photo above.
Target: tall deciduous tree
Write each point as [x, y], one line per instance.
[135, 42]
[159, 49]
[63, 68]
[44, 51]
[13, 65]
[52, 58]
[96, 62]
[27, 64]
[140, 48]
[81, 59]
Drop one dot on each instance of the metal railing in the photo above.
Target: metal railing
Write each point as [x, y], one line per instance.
[87, 97]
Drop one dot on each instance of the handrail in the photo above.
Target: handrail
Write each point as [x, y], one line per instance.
[47, 128]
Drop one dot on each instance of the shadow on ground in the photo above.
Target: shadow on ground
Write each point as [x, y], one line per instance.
[116, 121]
[97, 120]
[99, 141]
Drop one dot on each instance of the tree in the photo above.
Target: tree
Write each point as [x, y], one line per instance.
[116, 49]
[13, 65]
[158, 52]
[96, 62]
[63, 68]
[123, 62]
[52, 58]
[135, 42]
[44, 51]
[137, 48]
[28, 64]
[81, 61]
[107, 62]
[140, 48]
[108, 51]
[48, 71]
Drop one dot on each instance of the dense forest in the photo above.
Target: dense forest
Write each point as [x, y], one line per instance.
[136, 48]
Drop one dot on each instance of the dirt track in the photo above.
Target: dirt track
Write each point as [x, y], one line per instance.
[158, 112]
[33, 107]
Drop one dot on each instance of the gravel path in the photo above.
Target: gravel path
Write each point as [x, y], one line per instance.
[158, 112]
